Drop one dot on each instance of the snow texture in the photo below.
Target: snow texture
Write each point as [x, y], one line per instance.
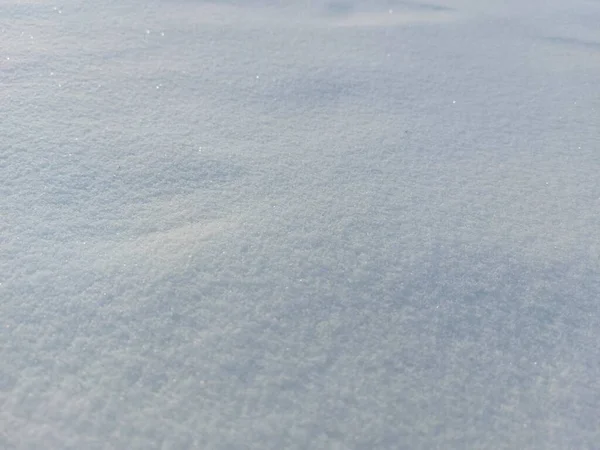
[299, 225]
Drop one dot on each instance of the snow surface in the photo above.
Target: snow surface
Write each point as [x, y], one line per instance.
[299, 225]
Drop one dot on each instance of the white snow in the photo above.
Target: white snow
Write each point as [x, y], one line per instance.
[388, 242]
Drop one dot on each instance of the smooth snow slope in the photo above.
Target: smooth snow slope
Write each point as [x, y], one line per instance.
[299, 225]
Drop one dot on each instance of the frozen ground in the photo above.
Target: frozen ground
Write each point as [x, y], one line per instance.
[329, 225]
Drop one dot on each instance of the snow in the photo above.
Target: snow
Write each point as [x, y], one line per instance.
[387, 241]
